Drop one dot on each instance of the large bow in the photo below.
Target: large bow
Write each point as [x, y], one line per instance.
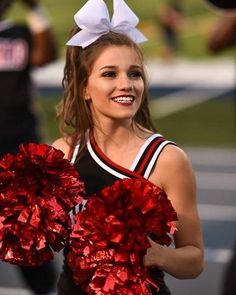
[94, 21]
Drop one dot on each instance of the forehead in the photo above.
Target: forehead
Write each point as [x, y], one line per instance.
[117, 56]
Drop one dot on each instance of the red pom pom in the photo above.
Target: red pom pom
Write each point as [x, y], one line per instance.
[38, 188]
[109, 237]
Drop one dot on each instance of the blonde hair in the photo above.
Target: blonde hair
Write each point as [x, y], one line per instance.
[73, 111]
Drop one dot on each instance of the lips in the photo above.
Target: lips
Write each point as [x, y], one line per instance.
[123, 99]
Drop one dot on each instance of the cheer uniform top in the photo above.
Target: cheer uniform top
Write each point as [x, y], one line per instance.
[97, 171]
[17, 117]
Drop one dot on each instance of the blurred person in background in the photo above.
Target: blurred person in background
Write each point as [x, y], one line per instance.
[229, 281]
[223, 37]
[170, 21]
[23, 47]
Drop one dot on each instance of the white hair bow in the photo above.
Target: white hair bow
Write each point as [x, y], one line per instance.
[94, 21]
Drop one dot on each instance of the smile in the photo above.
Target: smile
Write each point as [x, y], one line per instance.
[124, 99]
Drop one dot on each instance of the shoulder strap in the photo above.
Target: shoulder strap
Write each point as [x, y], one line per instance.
[73, 149]
[74, 152]
[150, 156]
[155, 157]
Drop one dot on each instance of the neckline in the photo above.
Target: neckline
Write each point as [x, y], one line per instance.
[136, 159]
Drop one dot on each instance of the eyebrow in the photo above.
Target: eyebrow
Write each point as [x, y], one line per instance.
[114, 67]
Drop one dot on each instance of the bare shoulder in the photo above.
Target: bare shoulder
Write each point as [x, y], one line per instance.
[63, 145]
[173, 167]
[173, 156]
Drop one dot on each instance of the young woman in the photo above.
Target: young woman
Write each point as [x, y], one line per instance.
[105, 105]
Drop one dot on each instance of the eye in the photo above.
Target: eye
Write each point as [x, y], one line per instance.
[109, 74]
[136, 74]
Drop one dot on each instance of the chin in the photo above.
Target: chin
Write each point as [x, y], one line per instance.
[126, 117]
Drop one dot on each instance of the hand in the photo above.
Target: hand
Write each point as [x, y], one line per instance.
[154, 254]
[30, 3]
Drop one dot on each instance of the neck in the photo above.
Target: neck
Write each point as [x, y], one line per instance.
[107, 127]
[119, 136]
[122, 143]
[113, 135]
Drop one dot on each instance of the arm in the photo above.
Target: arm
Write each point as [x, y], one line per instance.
[175, 176]
[224, 34]
[62, 145]
[44, 49]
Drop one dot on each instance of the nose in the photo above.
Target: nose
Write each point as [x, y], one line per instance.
[124, 83]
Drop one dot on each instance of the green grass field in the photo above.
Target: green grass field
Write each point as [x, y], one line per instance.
[209, 124]
[199, 21]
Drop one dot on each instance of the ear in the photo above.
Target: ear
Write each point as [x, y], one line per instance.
[86, 94]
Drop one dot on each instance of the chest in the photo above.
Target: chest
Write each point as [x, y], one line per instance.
[98, 170]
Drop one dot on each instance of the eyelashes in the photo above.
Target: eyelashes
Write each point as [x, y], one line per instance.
[136, 74]
[109, 74]
[132, 74]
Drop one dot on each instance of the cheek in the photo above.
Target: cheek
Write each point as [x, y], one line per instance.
[140, 88]
[95, 87]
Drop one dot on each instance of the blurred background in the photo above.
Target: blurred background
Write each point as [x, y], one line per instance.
[193, 102]
[178, 58]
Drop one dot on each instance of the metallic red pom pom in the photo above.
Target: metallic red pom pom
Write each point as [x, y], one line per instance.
[38, 188]
[109, 238]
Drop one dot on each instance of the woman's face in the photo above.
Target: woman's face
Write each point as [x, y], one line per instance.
[115, 85]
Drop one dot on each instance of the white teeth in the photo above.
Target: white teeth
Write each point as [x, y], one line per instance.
[125, 99]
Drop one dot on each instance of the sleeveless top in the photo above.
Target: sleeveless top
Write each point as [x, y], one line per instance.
[98, 171]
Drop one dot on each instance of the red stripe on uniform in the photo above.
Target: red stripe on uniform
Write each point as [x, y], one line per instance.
[111, 164]
[152, 147]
